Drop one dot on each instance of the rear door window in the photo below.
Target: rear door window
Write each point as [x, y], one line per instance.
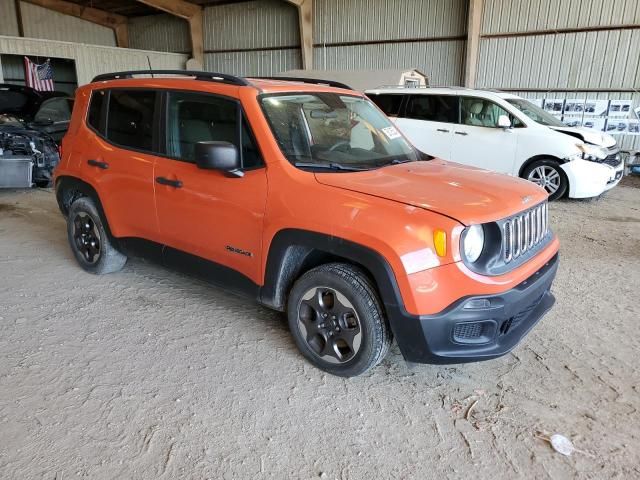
[387, 102]
[433, 108]
[130, 118]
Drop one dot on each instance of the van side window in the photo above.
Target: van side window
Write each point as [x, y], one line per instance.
[388, 103]
[434, 108]
[481, 112]
[94, 117]
[193, 118]
[130, 118]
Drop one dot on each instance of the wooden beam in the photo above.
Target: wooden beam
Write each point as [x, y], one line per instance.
[178, 8]
[19, 19]
[122, 35]
[305, 19]
[118, 23]
[191, 13]
[473, 42]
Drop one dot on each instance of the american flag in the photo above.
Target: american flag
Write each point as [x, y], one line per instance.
[38, 77]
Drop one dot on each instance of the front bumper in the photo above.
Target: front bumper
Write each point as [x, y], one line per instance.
[460, 335]
[590, 179]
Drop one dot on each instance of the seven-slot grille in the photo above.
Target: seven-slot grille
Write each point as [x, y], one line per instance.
[524, 231]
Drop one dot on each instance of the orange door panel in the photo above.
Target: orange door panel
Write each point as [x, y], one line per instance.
[213, 216]
[124, 182]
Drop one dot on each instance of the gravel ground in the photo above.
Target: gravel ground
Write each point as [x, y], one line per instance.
[150, 374]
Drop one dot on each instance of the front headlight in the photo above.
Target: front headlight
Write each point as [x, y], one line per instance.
[473, 242]
[593, 153]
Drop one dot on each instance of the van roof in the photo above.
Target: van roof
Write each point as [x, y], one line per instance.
[441, 91]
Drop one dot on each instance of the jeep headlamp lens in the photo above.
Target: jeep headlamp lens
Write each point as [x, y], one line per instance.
[473, 243]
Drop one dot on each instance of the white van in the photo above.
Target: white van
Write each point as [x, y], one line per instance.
[505, 133]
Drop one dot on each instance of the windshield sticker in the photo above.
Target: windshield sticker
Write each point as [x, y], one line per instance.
[391, 133]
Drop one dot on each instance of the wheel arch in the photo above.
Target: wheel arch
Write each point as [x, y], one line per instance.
[293, 252]
[536, 158]
[68, 189]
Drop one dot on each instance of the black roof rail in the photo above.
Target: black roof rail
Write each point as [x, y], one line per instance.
[330, 83]
[199, 75]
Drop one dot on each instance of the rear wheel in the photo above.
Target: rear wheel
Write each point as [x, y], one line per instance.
[549, 175]
[89, 240]
[337, 321]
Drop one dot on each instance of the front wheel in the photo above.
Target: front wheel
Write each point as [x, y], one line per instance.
[549, 175]
[337, 321]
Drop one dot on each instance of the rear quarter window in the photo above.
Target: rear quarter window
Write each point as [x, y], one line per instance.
[94, 117]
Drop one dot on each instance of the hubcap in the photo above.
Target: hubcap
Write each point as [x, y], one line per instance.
[330, 325]
[547, 177]
[86, 237]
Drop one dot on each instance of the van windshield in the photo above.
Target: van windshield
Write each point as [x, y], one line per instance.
[332, 131]
[535, 113]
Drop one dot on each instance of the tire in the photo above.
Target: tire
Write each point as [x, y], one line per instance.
[337, 321]
[548, 174]
[89, 241]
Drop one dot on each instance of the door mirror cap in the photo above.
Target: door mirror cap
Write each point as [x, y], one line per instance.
[221, 156]
[504, 122]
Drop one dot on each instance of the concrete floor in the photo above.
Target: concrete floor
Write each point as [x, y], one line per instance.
[149, 374]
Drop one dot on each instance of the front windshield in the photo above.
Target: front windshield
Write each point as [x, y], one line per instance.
[535, 113]
[339, 131]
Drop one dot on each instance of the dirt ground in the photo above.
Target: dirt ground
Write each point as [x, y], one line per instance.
[150, 374]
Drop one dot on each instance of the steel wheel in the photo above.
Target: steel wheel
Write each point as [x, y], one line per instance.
[329, 324]
[86, 237]
[547, 177]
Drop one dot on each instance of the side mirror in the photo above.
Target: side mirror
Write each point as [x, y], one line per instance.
[221, 156]
[504, 122]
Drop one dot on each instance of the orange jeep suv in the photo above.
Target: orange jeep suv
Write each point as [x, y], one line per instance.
[303, 195]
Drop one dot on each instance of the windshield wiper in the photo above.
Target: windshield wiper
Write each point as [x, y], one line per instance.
[329, 166]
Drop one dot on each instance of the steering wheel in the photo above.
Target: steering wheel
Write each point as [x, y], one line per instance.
[339, 144]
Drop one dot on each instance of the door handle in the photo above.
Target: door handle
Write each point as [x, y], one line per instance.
[442, 130]
[461, 133]
[99, 164]
[168, 182]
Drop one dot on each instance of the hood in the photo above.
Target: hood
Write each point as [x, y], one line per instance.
[466, 194]
[588, 135]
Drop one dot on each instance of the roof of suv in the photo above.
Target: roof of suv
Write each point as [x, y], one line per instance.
[182, 78]
[441, 91]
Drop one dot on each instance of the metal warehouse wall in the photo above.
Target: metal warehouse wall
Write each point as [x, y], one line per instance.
[8, 19]
[163, 32]
[41, 22]
[92, 59]
[563, 49]
[253, 38]
[425, 34]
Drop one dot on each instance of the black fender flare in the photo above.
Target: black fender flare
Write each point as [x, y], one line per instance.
[290, 249]
[69, 188]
